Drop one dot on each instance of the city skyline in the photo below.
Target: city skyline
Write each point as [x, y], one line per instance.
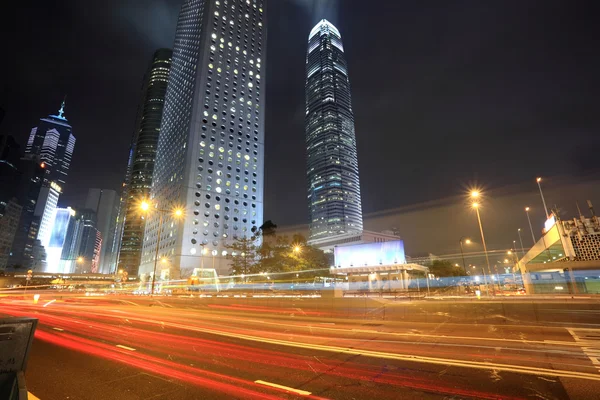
[415, 182]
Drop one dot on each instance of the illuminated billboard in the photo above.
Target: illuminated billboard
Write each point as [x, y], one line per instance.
[370, 254]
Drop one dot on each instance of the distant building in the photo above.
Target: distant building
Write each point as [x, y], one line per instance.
[105, 203]
[332, 162]
[27, 190]
[91, 244]
[54, 249]
[138, 180]
[10, 151]
[10, 213]
[53, 142]
[45, 210]
[82, 244]
[210, 154]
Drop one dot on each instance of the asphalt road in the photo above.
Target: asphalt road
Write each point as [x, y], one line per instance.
[135, 348]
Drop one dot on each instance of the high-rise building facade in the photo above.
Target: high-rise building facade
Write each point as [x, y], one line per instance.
[53, 142]
[140, 168]
[332, 161]
[27, 191]
[45, 210]
[105, 203]
[211, 145]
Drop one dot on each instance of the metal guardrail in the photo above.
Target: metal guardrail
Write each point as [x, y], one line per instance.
[16, 336]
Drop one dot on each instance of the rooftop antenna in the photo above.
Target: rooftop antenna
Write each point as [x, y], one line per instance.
[61, 112]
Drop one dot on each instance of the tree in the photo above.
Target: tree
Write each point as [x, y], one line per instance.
[242, 253]
[444, 268]
[280, 254]
[268, 228]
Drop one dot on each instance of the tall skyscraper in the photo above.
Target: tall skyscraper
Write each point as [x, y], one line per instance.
[105, 203]
[211, 145]
[53, 142]
[332, 162]
[140, 168]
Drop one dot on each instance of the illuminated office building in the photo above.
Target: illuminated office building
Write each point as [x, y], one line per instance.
[211, 145]
[105, 203]
[138, 180]
[53, 142]
[332, 162]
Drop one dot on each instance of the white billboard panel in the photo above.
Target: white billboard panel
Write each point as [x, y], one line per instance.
[370, 254]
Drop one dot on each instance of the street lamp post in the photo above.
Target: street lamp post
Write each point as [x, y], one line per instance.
[177, 213]
[475, 205]
[462, 254]
[521, 240]
[530, 227]
[538, 180]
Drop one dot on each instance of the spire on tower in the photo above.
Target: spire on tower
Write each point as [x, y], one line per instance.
[62, 109]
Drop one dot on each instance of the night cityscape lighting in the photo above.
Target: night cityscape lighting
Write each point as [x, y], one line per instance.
[170, 254]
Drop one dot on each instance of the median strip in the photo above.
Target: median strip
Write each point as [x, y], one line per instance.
[125, 347]
[287, 388]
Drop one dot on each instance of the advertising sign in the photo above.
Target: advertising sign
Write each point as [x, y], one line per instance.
[370, 254]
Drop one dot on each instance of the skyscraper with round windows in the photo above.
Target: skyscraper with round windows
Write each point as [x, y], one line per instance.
[210, 150]
[332, 162]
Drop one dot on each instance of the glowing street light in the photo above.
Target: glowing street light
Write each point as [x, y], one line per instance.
[530, 227]
[539, 180]
[177, 213]
[462, 254]
[475, 206]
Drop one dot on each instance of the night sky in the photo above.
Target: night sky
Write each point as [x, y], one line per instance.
[445, 93]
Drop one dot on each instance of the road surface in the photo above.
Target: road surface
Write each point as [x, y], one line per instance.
[139, 348]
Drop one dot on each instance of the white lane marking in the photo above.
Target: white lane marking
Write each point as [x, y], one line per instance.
[125, 347]
[589, 347]
[289, 389]
[30, 396]
[58, 329]
[50, 302]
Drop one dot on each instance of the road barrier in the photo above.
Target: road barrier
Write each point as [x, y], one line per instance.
[16, 336]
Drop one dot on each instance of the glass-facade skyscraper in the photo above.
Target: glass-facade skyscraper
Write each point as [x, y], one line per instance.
[140, 168]
[332, 161]
[53, 142]
[211, 146]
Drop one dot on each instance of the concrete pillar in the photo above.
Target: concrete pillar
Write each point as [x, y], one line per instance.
[571, 282]
[405, 279]
[400, 283]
